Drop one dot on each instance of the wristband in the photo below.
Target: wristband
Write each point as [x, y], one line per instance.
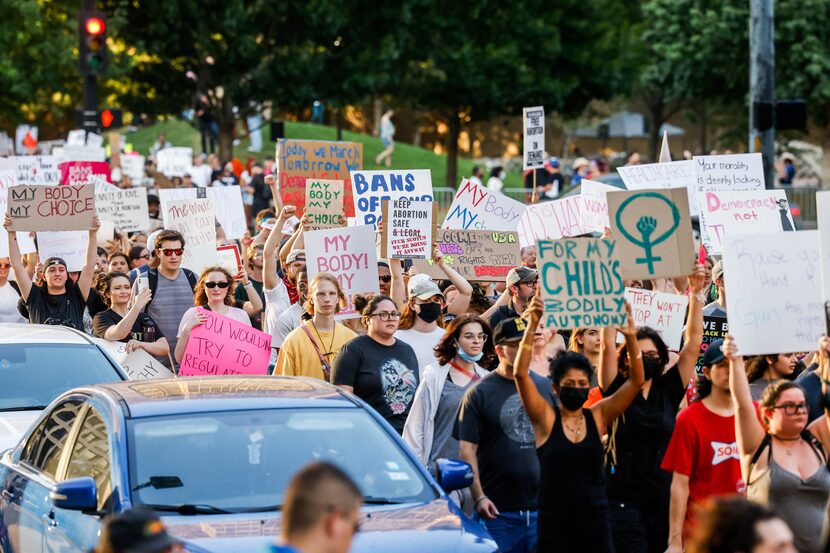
[479, 500]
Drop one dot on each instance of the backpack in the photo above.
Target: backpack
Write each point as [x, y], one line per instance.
[153, 281]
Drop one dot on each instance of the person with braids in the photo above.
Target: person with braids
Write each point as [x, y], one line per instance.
[784, 461]
[763, 370]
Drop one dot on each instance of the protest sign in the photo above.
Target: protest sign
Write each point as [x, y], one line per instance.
[228, 257]
[823, 213]
[477, 208]
[94, 140]
[653, 230]
[174, 162]
[8, 179]
[372, 187]
[581, 283]
[477, 255]
[670, 174]
[37, 169]
[25, 139]
[83, 153]
[663, 312]
[747, 212]
[227, 206]
[76, 138]
[84, 172]
[68, 245]
[350, 255]
[533, 127]
[773, 291]
[552, 220]
[140, 365]
[195, 220]
[408, 229]
[298, 160]
[714, 328]
[126, 208]
[223, 346]
[133, 167]
[106, 232]
[39, 207]
[324, 203]
[594, 214]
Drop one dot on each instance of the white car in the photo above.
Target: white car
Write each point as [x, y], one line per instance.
[37, 364]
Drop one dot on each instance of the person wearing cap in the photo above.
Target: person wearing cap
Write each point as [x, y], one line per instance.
[718, 307]
[154, 211]
[521, 286]
[581, 167]
[422, 320]
[702, 456]
[136, 531]
[496, 438]
[556, 178]
[57, 300]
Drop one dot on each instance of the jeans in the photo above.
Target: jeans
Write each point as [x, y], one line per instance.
[514, 532]
[640, 528]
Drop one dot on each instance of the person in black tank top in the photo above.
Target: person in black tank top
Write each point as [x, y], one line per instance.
[573, 505]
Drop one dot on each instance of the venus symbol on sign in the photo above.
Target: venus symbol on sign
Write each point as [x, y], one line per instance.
[646, 225]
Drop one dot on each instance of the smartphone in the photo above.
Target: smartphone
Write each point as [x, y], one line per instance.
[143, 283]
[827, 317]
[268, 224]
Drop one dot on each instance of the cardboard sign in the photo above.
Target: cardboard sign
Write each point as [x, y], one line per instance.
[372, 187]
[349, 254]
[174, 162]
[748, 212]
[773, 291]
[324, 203]
[227, 206]
[298, 160]
[228, 257]
[663, 312]
[140, 365]
[581, 282]
[51, 207]
[223, 346]
[126, 208]
[595, 205]
[653, 230]
[533, 127]
[477, 255]
[195, 220]
[83, 153]
[477, 208]
[714, 328]
[8, 179]
[552, 220]
[823, 213]
[133, 167]
[68, 245]
[408, 229]
[671, 174]
[37, 169]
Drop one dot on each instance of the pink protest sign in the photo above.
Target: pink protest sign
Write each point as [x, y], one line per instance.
[223, 346]
[84, 172]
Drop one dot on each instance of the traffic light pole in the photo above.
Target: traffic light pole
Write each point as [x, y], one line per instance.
[762, 85]
[90, 109]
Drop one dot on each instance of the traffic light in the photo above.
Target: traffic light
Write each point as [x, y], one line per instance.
[92, 31]
[111, 119]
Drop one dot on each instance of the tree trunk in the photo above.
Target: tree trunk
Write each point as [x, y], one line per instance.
[703, 122]
[377, 113]
[655, 114]
[338, 116]
[451, 180]
[226, 121]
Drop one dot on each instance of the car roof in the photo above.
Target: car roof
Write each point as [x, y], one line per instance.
[27, 333]
[223, 393]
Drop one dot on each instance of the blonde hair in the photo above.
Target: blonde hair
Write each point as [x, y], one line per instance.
[312, 289]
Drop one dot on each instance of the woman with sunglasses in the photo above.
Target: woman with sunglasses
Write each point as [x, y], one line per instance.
[783, 461]
[9, 295]
[214, 292]
[378, 368]
[139, 256]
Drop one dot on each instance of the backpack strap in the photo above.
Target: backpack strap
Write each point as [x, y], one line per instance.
[757, 455]
[323, 363]
[152, 283]
[16, 287]
[191, 278]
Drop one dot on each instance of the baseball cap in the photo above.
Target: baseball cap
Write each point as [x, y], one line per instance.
[422, 287]
[153, 199]
[713, 354]
[294, 255]
[553, 162]
[54, 261]
[509, 331]
[521, 274]
[717, 271]
[581, 162]
[138, 531]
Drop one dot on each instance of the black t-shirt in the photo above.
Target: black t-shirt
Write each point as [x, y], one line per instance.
[95, 303]
[142, 324]
[502, 313]
[385, 377]
[642, 436]
[65, 309]
[810, 382]
[492, 416]
[262, 194]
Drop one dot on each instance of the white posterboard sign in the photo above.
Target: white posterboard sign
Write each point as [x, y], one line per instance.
[409, 230]
[552, 220]
[133, 167]
[76, 138]
[8, 178]
[174, 162]
[126, 208]
[227, 205]
[533, 126]
[69, 245]
[195, 220]
[477, 208]
[38, 169]
[83, 153]
[773, 291]
[663, 312]
[595, 205]
[94, 140]
[670, 174]
[138, 365]
[370, 188]
[823, 212]
[349, 254]
[747, 212]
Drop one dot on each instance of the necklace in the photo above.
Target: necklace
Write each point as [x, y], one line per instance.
[578, 428]
[788, 449]
[333, 333]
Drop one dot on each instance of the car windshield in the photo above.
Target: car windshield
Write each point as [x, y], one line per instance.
[243, 460]
[32, 375]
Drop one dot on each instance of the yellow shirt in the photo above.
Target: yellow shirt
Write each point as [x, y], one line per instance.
[298, 357]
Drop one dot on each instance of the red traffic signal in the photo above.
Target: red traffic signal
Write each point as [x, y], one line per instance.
[95, 26]
[92, 47]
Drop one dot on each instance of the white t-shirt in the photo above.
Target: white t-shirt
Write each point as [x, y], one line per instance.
[423, 343]
[495, 184]
[8, 305]
[277, 302]
[233, 313]
[201, 175]
[286, 322]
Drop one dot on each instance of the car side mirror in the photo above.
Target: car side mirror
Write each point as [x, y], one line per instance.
[76, 494]
[453, 474]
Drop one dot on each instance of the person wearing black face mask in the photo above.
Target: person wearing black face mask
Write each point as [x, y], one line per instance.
[639, 492]
[573, 506]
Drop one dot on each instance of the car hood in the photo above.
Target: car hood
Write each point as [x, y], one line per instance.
[13, 425]
[436, 527]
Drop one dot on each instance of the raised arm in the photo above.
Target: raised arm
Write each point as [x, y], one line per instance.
[269, 253]
[694, 326]
[504, 299]
[748, 430]
[254, 303]
[289, 244]
[24, 280]
[85, 279]
[271, 182]
[613, 406]
[465, 290]
[397, 289]
[607, 357]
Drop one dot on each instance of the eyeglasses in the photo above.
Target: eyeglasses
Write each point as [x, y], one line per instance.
[5, 266]
[792, 408]
[531, 284]
[471, 336]
[386, 316]
[169, 252]
[385, 278]
[221, 285]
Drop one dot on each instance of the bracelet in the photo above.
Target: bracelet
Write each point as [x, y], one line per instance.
[479, 500]
[700, 297]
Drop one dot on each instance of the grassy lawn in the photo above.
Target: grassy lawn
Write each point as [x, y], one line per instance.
[179, 133]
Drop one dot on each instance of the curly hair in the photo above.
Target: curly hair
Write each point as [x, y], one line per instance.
[447, 347]
[758, 365]
[643, 333]
[103, 284]
[200, 294]
[567, 360]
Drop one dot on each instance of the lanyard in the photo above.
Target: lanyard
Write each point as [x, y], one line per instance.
[470, 374]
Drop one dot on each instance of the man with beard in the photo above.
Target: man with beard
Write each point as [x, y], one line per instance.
[292, 317]
[521, 287]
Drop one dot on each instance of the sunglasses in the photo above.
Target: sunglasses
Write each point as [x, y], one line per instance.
[5, 266]
[221, 285]
[385, 278]
[168, 252]
[145, 256]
